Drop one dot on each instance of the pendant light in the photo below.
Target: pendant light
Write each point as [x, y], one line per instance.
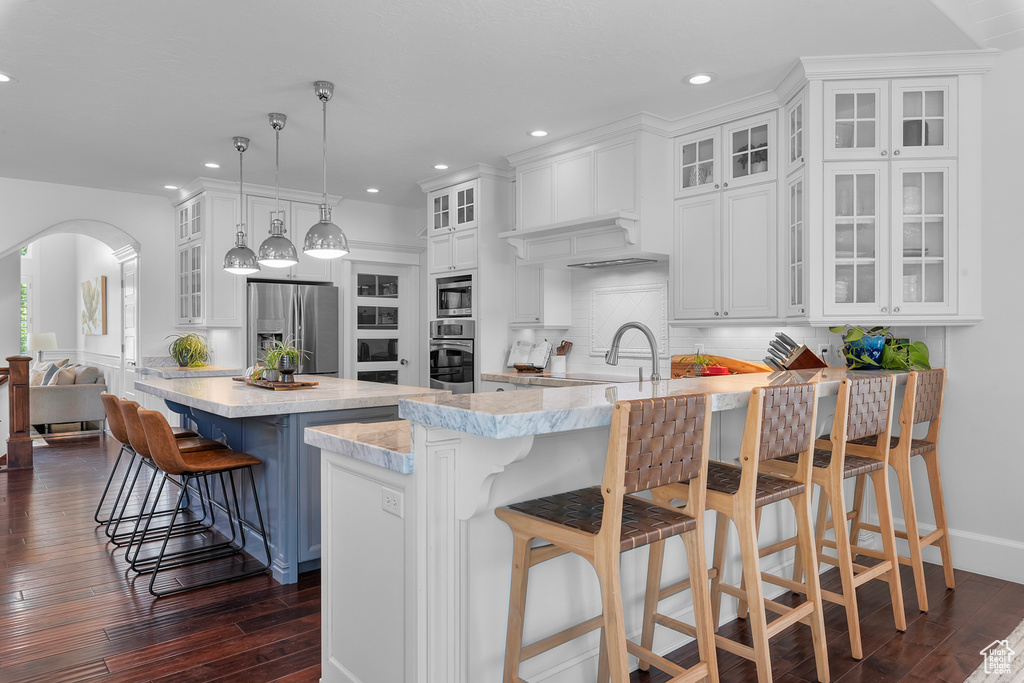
[277, 251]
[240, 259]
[325, 239]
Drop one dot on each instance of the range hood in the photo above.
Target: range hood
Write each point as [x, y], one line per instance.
[628, 261]
[610, 239]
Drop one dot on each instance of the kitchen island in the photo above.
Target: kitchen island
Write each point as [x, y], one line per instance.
[269, 425]
[430, 536]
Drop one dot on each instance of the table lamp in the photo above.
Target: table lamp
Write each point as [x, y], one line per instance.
[41, 341]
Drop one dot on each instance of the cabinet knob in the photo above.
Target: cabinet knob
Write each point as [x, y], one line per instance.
[885, 309]
[885, 153]
[801, 310]
[725, 184]
[726, 313]
[716, 312]
[716, 186]
[896, 309]
[801, 160]
[537, 319]
[895, 152]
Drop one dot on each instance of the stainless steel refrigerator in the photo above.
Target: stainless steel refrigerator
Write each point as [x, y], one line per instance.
[305, 314]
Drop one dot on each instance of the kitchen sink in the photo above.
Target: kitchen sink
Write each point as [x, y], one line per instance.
[601, 379]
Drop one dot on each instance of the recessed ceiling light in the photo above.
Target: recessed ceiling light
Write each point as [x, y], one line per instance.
[170, 187]
[6, 78]
[441, 167]
[700, 78]
[211, 165]
[372, 190]
[538, 133]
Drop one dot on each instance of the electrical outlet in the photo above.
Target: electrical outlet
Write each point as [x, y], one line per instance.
[393, 501]
[825, 351]
[698, 348]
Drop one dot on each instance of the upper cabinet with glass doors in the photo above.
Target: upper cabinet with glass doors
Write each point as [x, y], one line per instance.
[453, 208]
[734, 155]
[898, 119]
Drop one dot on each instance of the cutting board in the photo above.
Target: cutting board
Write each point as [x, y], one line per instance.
[276, 386]
[682, 366]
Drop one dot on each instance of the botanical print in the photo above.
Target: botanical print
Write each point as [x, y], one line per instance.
[94, 305]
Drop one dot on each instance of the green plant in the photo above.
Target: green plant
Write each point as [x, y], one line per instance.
[189, 350]
[277, 350]
[897, 354]
[702, 360]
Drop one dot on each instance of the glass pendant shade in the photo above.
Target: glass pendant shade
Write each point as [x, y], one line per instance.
[325, 239]
[277, 251]
[240, 259]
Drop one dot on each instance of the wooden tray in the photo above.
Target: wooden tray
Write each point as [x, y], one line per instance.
[682, 366]
[523, 367]
[276, 386]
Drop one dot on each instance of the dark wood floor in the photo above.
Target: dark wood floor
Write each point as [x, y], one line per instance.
[69, 610]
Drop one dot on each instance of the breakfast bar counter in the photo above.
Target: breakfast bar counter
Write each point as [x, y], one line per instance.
[431, 535]
[269, 425]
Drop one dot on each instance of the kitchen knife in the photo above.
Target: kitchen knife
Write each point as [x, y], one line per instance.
[772, 363]
[779, 356]
[780, 347]
[787, 340]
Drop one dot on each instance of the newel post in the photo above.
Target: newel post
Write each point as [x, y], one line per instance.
[19, 445]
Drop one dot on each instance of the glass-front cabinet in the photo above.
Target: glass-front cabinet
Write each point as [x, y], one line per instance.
[453, 208]
[796, 246]
[189, 264]
[796, 137]
[888, 236]
[734, 155]
[697, 167]
[896, 119]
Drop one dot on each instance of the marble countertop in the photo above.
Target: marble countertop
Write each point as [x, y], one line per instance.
[546, 379]
[501, 415]
[385, 444]
[227, 398]
[204, 371]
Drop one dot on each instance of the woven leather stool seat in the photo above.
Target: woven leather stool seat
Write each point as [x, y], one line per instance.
[853, 465]
[917, 446]
[725, 479]
[642, 522]
[182, 433]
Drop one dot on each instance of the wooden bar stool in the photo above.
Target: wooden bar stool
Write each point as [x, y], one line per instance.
[115, 422]
[137, 439]
[653, 442]
[863, 409]
[922, 402]
[780, 422]
[201, 465]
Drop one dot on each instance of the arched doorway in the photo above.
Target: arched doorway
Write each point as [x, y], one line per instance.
[118, 362]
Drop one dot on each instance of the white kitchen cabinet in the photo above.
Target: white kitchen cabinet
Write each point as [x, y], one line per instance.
[543, 296]
[298, 217]
[456, 250]
[190, 283]
[795, 265]
[453, 208]
[795, 130]
[724, 256]
[890, 239]
[898, 118]
[735, 155]
[591, 181]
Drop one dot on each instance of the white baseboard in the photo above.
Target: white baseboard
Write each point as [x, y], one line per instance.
[1001, 558]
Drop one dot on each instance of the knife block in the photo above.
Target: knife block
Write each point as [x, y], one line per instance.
[802, 358]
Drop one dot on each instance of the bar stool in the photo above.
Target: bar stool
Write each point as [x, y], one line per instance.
[863, 409]
[922, 402]
[137, 439]
[195, 466]
[653, 442]
[780, 422]
[115, 422]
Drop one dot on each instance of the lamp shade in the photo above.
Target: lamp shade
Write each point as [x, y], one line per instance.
[325, 239]
[42, 341]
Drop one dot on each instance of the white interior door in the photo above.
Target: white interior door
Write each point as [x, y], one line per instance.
[129, 327]
[385, 320]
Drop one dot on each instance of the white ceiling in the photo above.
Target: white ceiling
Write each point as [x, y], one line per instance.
[134, 94]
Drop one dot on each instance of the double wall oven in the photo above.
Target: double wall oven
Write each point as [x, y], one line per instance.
[451, 355]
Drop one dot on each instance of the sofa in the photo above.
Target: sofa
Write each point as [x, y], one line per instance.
[76, 398]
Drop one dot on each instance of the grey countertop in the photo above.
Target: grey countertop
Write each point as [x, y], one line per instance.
[508, 414]
[385, 444]
[179, 373]
[227, 398]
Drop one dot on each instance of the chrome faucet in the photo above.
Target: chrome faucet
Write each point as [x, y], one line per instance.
[612, 357]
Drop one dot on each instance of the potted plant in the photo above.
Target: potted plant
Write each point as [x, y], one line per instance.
[758, 157]
[282, 357]
[189, 350]
[699, 363]
[876, 347]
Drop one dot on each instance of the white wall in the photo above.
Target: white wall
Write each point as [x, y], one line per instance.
[92, 259]
[10, 298]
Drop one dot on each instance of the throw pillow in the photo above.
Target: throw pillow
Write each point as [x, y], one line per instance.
[63, 376]
[87, 374]
[36, 374]
[50, 372]
[61, 363]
